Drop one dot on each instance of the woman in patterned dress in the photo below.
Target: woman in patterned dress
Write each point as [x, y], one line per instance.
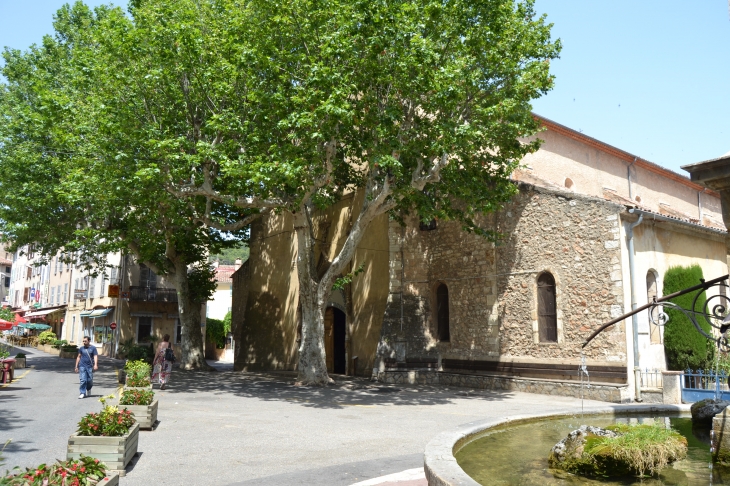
[162, 368]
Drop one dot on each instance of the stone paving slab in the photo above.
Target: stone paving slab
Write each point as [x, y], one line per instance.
[245, 428]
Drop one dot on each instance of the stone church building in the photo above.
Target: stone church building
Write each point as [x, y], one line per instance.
[437, 305]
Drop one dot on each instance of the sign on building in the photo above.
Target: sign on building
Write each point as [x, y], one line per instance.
[113, 291]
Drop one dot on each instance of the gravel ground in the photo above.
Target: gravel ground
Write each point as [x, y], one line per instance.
[254, 429]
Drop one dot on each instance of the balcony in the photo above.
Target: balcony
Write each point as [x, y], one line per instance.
[147, 294]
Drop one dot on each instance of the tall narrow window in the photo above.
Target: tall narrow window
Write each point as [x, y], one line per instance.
[547, 323]
[651, 294]
[442, 312]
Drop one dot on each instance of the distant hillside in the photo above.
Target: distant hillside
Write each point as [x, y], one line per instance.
[229, 255]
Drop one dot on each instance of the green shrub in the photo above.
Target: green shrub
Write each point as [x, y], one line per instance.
[59, 343]
[47, 337]
[216, 330]
[135, 352]
[20, 355]
[138, 368]
[70, 348]
[684, 346]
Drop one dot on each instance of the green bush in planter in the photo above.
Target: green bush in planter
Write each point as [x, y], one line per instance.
[20, 355]
[59, 343]
[47, 337]
[684, 346]
[70, 348]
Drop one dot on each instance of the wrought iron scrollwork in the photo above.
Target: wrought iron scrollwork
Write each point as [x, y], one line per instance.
[714, 312]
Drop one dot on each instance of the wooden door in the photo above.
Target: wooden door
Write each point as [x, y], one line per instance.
[329, 338]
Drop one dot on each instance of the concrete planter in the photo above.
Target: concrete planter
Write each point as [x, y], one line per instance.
[115, 452]
[54, 351]
[19, 363]
[46, 348]
[138, 387]
[68, 354]
[145, 415]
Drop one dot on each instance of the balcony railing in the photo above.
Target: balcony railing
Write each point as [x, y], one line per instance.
[147, 294]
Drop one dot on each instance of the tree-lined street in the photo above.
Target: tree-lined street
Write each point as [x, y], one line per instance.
[236, 428]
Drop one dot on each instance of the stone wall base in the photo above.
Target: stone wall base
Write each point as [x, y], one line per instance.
[597, 391]
[652, 395]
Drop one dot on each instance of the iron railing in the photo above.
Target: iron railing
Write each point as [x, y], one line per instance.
[702, 384]
[651, 378]
[148, 294]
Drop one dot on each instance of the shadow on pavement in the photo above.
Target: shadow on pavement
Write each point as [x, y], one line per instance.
[346, 392]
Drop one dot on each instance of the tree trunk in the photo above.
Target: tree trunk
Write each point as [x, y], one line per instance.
[312, 359]
[193, 355]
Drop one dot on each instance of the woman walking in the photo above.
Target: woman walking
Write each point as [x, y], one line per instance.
[162, 365]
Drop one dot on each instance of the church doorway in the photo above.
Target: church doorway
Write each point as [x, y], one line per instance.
[334, 340]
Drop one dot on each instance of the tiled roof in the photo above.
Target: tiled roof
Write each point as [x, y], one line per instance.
[5, 261]
[224, 273]
[664, 209]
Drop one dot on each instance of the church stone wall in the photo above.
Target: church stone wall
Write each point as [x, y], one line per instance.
[493, 287]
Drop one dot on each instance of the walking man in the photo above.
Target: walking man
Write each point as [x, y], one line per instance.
[87, 362]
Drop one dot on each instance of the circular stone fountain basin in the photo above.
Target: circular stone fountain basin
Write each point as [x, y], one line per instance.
[514, 450]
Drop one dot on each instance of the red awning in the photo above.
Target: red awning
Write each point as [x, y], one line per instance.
[5, 325]
[20, 319]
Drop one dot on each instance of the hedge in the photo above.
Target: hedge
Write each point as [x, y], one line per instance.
[684, 346]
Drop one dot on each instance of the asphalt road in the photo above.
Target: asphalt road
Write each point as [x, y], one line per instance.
[246, 428]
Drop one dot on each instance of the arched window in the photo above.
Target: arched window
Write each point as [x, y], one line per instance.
[651, 293]
[442, 312]
[547, 323]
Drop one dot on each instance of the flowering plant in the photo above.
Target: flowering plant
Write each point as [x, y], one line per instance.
[110, 422]
[85, 471]
[140, 381]
[137, 397]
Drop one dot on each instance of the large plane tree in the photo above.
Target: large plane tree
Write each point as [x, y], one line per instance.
[243, 109]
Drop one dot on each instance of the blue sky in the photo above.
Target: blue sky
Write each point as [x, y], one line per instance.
[650, 77]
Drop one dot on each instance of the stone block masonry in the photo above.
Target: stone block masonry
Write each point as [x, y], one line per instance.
[492, 287]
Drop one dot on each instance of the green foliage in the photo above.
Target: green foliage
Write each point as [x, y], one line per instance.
[684, 346]
[341, 282]
[47, 337]
[137, 368]
[59, 343]
[137, 397]
[637, 450]
[85, 471]
[202, 283]
[110, 422]
[134, 352]
[7, 314]
[70, 348]
[20, 355]
[229, 255]
[4, 350]
[216, 330]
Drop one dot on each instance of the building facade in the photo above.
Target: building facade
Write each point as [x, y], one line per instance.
[436, 304]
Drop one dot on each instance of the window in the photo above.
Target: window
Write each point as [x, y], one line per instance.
[29, 273]
[65, 293]
[53, 295]
[651, 293]
[144, 329]
[92, 287]
[430, 226]
[178, 332]
[147, 278]
[7, 282]
[547, 317]
[442, 313]
[114, 276]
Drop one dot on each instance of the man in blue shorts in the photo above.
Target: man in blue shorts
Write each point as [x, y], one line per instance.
[86, 363]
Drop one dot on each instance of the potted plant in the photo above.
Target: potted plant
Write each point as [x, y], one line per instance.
[84, 471]
[46, 340]
[138, 374]
[69, 351]
[142, 404]
[20, 360]
[111, 435]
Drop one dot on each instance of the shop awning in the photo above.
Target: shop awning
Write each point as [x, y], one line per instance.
[85, 313]
[19, 319]
[100, 313]
[42, 313]
[146, 314]
[38, 326]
